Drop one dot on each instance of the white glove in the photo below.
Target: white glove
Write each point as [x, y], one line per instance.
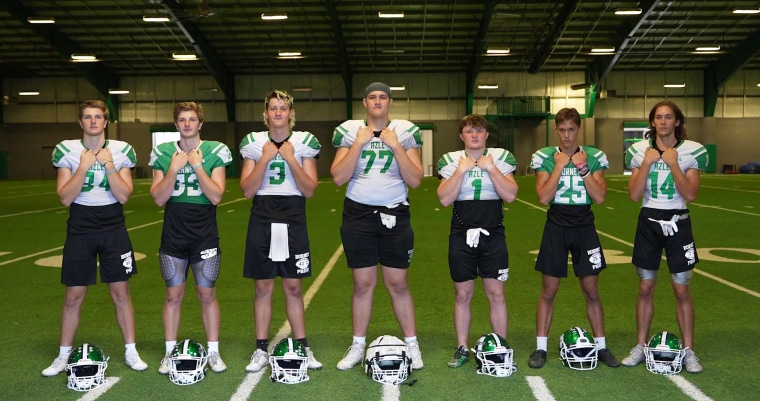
[669, 227]
[473, 236]
[388, 220]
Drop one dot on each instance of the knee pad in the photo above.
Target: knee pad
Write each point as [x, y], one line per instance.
[682, 278]
[645, 274]
[173, 270]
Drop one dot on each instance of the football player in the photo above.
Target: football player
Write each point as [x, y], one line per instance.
[189, 179]
[665, 173]
[378, 158]
[94, 181]
[279, 173]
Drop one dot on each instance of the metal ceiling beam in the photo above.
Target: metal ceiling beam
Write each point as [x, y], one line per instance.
[345, 67]
[97, 74]
[478, 49]
[626, 33]
[717, 73]
[568, 7]
[222, 74]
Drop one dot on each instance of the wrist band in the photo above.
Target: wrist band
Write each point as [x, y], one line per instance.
[109, 172]
[196, 166]
[583, 169]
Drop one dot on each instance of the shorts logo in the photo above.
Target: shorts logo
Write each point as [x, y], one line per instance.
[690, 253]
[302, 263]
[503, 274]
[208, 253]
[595, 257]
[126, 261]
[410, 253]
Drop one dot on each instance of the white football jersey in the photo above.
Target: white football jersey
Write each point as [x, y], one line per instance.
[278, 180]
[660, 191]
[477, 185]
[95, 191]
[377, 179]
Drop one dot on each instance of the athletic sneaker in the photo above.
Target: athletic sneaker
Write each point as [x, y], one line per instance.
[133, 360]
[164, 368]
[352, 357]
[259, 359]
[691, 362]
[461, 356]
[313, 362]
[415, 354]
[606, 357]
[537, 359]
[58, 365]
[216, 363]
[635, 357]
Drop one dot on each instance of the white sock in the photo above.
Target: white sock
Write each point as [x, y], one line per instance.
[541, 343]
[213, 346]
[410, 339]
[130, 348]
[64, 351]
[170, 346]
[601, 342]
[360, 340]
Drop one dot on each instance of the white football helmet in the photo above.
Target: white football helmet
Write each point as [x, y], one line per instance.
[387, 360]
[288, 361]
[187, 363]
[494, 357]
[86, 368]
[577, 349]
[664, 353]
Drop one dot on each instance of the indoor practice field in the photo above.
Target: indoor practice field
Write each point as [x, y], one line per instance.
[725, 288]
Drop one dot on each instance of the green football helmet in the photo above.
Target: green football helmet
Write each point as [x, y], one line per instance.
[494, 356]
[187, 363]
[86, 368]
[288, 362]
[577, 349]
[664, 353]
[387, 360]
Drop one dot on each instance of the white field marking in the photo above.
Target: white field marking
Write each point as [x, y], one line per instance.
[391, 392]
[100, 390]
[32, 211]
[731, 189]
[539, 389]
[4, 253]
[129, 229]
[620, 191]
[252, 379]
[724, 209]
[700, 272]
[25, 195]
[689, 389]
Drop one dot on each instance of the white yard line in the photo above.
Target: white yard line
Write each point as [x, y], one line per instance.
[391, 392]
[725, 210]
[539, 388]
[689, 389]
[100, 390]
[246, 388]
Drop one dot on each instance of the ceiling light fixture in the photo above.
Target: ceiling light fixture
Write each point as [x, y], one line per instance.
[28, 93]
[746, 10]
[627, 11]
[488, 86]
[274, 17]
[41, 20]
[208, 89]
[155, 18]
[118, 91]
[582, 85]
[681, 85]
[289, 54]
[302, 89]
[603, 50]
[398, 88]
[183, 56]
[497, 52]
[708, 48]
[391, 14]
[392, 51]
[83, 57]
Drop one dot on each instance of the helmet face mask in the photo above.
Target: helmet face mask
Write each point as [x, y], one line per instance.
[494, 356]
[664, 354]
[187, 363]
[577, 349]
[86, 368]
[289, 362]
[387, 360]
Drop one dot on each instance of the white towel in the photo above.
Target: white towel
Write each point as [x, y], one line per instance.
[278, 245]
[669, 227]
[473, 236]
[388, 220]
